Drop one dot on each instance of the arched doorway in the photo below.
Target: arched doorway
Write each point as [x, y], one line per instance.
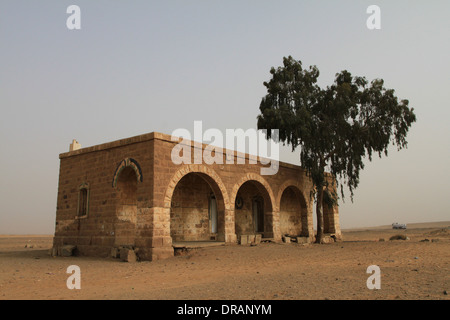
[293, 213]
[197, 209]
[253, 210]
[126, 207]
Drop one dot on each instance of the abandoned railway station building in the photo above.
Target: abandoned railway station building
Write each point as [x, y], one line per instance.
[130, 194]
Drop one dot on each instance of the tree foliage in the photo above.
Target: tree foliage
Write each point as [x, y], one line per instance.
[336, 127]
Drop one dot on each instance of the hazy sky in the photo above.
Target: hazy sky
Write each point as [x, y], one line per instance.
[142, 66]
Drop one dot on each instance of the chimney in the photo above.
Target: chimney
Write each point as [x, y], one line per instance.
[74, 145]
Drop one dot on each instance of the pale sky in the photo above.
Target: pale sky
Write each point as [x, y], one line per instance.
[142, 66]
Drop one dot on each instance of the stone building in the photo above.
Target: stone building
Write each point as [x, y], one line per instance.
[129, 193]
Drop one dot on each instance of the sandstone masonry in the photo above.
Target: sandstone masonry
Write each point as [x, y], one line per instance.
[129, 194]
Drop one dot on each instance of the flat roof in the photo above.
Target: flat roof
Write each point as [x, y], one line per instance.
[153, 136]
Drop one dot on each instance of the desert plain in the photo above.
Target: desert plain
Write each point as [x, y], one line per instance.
[413, 269]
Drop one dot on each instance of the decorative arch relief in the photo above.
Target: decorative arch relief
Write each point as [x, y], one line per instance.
[128, 162]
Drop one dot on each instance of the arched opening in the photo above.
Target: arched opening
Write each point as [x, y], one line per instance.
[329, 225]
[126, 208]
[293, 213]
[197, 209]
[253, 210]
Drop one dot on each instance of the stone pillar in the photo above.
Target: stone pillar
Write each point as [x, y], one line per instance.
[153, 240]
[310, 221]
[276, 225]
[337, 225]
[230, 231]
[331, 221]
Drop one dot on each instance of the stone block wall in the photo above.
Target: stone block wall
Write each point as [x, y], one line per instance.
[138, 197]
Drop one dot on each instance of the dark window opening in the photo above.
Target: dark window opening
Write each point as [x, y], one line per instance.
[83, 203]
[258, 214]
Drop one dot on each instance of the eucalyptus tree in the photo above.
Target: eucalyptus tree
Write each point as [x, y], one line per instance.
[336, 127]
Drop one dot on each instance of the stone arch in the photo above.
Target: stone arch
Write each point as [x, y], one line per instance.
[258, 205]
[125, 218]
[128, 162]
[298, 222]
[189, 214]
[291, 183]
[210, 176]
[257, 178]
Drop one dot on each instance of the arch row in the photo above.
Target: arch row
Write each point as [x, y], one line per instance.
[216, 182]
[226, 196]
[271, 228]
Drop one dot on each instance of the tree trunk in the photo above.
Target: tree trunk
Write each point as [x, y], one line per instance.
[319, 213]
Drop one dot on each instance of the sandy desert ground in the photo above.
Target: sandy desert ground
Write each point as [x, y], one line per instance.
[410, 269]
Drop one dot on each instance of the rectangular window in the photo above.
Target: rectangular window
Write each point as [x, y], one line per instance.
[258, 214]
[83, 202]
[213, 213]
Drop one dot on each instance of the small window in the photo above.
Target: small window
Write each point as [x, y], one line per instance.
[83, 201]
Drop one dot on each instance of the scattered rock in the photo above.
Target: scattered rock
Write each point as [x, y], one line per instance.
[53, 251]
[399, 237]
[244, 239]
[115, 253]
[425, 240]
[67, 251]
[303, 240]
[328, 239]
[128, 255]
[286, 239]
